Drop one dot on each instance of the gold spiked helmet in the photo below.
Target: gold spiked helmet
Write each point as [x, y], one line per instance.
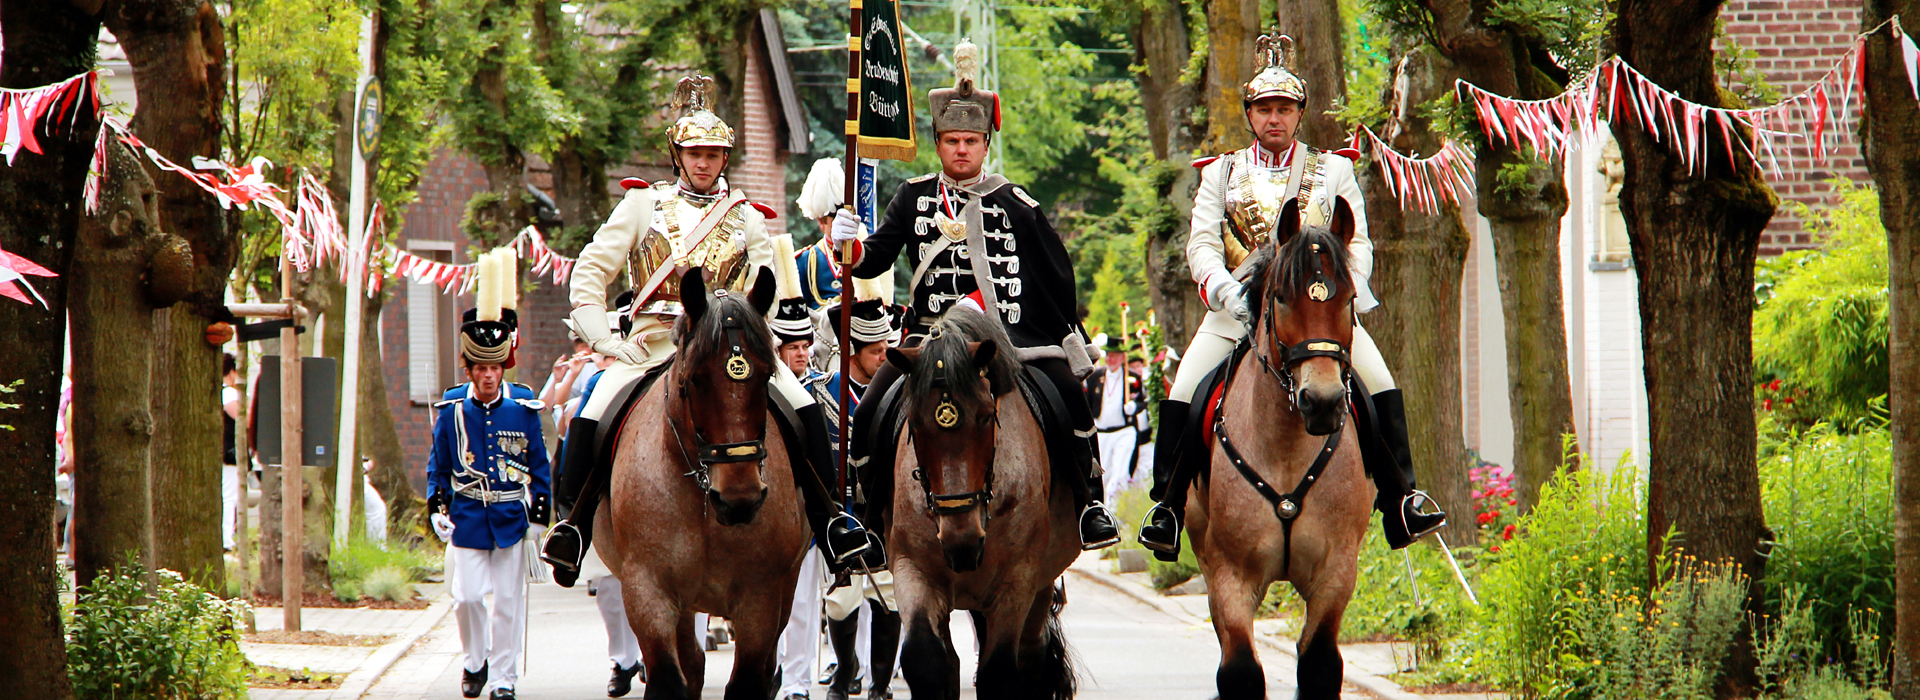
[697, 125]
[1275, 77]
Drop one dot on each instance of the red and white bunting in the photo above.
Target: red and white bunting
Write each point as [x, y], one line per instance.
[533, 246]
[27, 111]
[1426, 184]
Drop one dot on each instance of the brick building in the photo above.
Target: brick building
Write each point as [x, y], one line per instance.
[420, 365]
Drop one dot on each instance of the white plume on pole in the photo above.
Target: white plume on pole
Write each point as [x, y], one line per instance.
[510, 278]
[486, 295]
[786, 275]
[824, 189]
[966, 63]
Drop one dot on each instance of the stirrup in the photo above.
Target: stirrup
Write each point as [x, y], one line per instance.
[1098, 509]
[1414, 503]
[826, 538]
[578, 556]
[1146, 523]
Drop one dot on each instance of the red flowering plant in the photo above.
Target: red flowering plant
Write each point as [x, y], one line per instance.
[1495, 507]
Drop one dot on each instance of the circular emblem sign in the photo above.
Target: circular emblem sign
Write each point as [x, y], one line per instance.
[372, 106]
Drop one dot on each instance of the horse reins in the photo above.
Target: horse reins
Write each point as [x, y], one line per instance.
[706, 454]
[1287, 506]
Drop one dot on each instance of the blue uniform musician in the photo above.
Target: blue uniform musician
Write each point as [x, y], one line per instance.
[488, 487]
[977, 239]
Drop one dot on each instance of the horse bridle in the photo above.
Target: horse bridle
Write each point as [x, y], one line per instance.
[954, 503]
[706, 454]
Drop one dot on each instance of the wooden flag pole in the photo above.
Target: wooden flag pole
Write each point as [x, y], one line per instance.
[849, 195]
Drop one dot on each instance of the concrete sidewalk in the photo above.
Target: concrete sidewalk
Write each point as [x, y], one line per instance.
[1368, 666]
[362, 664]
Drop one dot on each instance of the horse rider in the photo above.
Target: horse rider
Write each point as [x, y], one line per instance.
[1118, 399]
[863, 645]
[976, 239]
[1234, 212]
[487, 487]
[694, 221]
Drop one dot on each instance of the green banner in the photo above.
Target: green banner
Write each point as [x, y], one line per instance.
[886, 93]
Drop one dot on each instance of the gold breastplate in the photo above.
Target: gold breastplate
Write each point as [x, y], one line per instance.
[664, 243]
[1253, 198]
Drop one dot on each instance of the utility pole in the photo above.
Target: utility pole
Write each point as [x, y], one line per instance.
[366, 135]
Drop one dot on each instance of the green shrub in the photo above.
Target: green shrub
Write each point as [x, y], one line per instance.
[1671, 645]
[1582, 546]
[352, 568]
[389, 583]
[1829, 499]
[135, 636]
[1820, 320]
[1130, 508]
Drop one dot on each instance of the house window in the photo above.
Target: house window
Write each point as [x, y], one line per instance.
[429, 316]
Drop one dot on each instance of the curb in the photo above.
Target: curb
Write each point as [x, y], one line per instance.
[362, 679]
[1373, 685]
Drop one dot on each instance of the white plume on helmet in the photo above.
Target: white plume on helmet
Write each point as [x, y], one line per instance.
[826, 186]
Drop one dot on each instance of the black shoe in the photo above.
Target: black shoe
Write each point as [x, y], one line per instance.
[1097, 529]
[826, 675]
[472, 682]
[1161, 533]
[564, 553]
[501, 694]
[1413, 522]
[622, 681]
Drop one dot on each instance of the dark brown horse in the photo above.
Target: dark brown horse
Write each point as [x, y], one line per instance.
[696, 522]
[978, 521]
[1285, 497]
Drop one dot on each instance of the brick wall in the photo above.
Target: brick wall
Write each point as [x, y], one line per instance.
[761, 168]
[1797, 42]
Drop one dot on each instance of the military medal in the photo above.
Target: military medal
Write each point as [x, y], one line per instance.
[950, 228]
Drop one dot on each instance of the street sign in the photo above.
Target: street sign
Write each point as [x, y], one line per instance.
[372, 110]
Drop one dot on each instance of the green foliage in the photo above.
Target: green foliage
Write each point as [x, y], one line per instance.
[1829, 499]
[480, 36]
[138, 635]
[1734, 62]
[415, 80]
[1581, 547]
[381, 570]
[1411, 594]
[1569, 31]
[293, 58]
[1790, 654]
[1820, 319]
[1670, 644]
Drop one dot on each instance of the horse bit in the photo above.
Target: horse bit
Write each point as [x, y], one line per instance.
[710, 454]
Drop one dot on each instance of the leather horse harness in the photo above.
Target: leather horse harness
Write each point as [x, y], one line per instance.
[709, 454]
[947, 416]
[1287, 506]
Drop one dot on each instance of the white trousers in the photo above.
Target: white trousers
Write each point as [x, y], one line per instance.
[1116, 453]
[799, 651]
[1218, 334]
[490, 637]
[623, 648]
[229, 501]
[620, 374]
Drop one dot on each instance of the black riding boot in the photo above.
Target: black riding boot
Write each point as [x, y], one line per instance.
[844, 634]
[886, 645]
[567, 545]
[1161, 531]
[1399, 504]
[841, 535]
[1097, 529]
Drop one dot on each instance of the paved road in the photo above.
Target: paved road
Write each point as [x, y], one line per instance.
[1125, 650]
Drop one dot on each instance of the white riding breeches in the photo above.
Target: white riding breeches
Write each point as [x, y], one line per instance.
[490, 637]
[1219, 332]
[620, 374]
[799, 648]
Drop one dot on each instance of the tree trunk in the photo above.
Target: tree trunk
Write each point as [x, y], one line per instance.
[493, 217]
[46, 42]
[1526, 244]
[1163, 48]
[1418, 261]
[378, 436]
[112, 419]
[1232, 26]
[580, 184]
[1316, 28]
[177, 51]
[1694, 241]
[1891, 132]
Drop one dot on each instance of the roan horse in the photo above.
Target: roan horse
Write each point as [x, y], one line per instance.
[1245, 532]
[978, 522]
[696, 522]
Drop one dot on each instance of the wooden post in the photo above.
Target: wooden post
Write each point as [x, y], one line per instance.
[850, 193]
[292, 533]
[243, 463]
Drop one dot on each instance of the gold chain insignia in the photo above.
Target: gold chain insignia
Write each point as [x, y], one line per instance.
[946, 415]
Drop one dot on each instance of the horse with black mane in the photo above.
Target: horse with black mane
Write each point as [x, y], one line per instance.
[978, 519]
[1245, 532]
[695, 521]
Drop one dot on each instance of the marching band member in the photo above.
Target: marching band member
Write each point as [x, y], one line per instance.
[1233, 214]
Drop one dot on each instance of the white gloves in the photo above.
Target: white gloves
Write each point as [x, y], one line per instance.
[442, 526]
[591, 322]
[1224, 293]
[846, 227]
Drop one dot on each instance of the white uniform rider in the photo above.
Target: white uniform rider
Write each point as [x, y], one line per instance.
[1232, 216]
